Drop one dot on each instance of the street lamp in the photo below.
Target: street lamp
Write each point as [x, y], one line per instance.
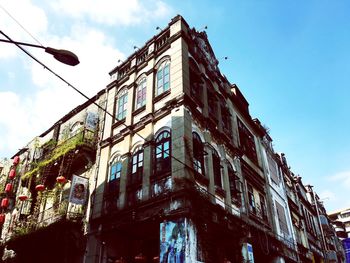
[62, 55]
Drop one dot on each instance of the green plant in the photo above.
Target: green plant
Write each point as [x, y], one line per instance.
[61, 149]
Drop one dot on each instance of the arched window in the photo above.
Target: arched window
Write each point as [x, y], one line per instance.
[76, 128]
[162, 153]
[198, 154]
[137, 167]
[122, 102]
[140, 94]
[163, 78]
[217, 169]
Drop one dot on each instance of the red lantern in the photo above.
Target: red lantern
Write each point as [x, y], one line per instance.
[12, 173]
[61, 179]
[2, 218]
[22, 197]
[4, 202]
[40, 187]
[16, 160]
[8, 188]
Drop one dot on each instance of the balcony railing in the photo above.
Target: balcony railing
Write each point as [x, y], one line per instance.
[83, 138]
[65, 211]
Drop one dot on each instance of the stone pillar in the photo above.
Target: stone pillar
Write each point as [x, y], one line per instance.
[208, 160]
[226, 185]
[147, 171]
[123, 180]
[181, 143]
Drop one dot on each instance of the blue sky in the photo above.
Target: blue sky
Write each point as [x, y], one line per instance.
[291, 60]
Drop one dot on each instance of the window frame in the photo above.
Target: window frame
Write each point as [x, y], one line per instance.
[162, 153]
[247, 141]
[122, 104]
[162, 78]
[198, 154]
[233, 181]
[216, 161]
[137, 162]
[251, 198]
[141, 88]
[113, 176]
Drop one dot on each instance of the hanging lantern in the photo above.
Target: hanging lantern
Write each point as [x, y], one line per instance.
[16, 160]
[2, 218]
[12, 173]
[40, 187]
[4, 202]
[61, 179]
[8, 188]
[22, 197]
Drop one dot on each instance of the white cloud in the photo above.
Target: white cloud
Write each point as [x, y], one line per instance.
[23, 11]
[113, 12]
[343, 178]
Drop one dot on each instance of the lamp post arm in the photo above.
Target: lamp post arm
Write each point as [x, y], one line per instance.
[62, 55]
[19, 43]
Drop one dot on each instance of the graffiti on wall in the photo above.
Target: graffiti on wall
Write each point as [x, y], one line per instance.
[173, 241]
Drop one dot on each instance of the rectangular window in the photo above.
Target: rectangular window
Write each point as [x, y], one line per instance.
[263, 209]
[115, 173]
[141, 94]
[247, 142]
[251, 199]
[282, 218]
[226, 119]
[122, 106]
[272, 168]
[137, 167]
[163, 78]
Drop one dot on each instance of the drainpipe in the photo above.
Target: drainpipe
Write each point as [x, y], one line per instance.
[96, 175]
[319, 220]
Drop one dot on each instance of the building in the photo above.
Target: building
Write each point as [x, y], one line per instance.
[176, 170]
[43, 215]
[339, 218]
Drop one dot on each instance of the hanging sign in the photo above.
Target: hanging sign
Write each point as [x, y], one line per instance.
[78, 191]
[91, 121]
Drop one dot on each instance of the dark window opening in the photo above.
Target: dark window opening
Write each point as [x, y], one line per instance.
[217, 169]
[162, 153]
[247, 142]
[226, 119]
[136, 168]
[234, 184]
[251, 199]
[198, 154]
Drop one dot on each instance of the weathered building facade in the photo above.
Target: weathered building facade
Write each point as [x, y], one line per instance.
[47, 201]
[164, 165]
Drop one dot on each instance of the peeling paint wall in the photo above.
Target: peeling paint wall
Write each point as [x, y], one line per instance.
[178, 241]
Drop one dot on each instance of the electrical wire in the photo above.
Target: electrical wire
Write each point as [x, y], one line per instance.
[93, 102]
[18, 23]
[81, 93]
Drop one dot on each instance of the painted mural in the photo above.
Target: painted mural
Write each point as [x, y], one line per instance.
[177, 241]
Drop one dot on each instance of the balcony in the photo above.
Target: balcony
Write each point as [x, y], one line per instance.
[61, 213]
[53, 151]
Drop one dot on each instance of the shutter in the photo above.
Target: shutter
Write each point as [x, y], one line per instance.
[282, 218]
[273, 169]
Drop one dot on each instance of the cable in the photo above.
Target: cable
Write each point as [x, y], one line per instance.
[100, 107]
[81, 93]
[18, 23]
